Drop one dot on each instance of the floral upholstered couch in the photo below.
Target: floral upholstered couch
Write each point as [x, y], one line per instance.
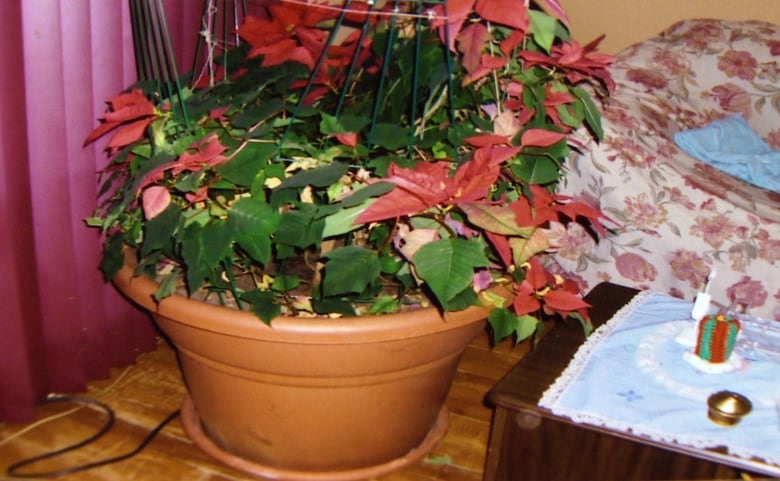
[679, 219]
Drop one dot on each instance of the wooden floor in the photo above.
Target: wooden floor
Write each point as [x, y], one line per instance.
[145, 393]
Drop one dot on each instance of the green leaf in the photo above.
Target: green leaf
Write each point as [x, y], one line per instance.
[254, 114]
[543, 29]
[591, 111]
[159, 232]
[145, 166]
[587, 326]
[384, 305]
[286, 282]
[447, 266]
[197, 269]
[216, 241]
[94, 221]
[319, 177]
[354, 123]
[333, 306]
[391, 264]
[373, 190]
[113, 256]
[349, 269]
[275, 170]
[283, 198]
[441, 460]
[571, 114]
[390, 136]
[331, 125]
[536, 169]
[263, 304]
[343, 221]
[190, 182]
[465, 298]
[504, 323]
[167, 286]
[252, 223]
[242, 169]
[533, 93]
[299, 227]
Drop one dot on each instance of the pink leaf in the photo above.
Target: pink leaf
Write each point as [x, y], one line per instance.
[501, 244]
[487, 64]
[100, 131]
[540, 138]
[473, 180]
[555, 9]
[217, 113]
[511, 13]
[124, 99]
[486, 140]
[471, 42]
[129, 133]
[457, 11]
[506, 124]
[536, 277]
[495, 155]
[131, 112]
[133, 107]
[564, 302]
[350, 139]
[525, 301]
[428, 181]
[395, 203]
[155, 199]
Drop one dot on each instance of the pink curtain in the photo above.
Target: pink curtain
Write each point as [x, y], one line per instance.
[61, 325]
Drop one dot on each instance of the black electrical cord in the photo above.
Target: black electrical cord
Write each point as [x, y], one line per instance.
[13, 470]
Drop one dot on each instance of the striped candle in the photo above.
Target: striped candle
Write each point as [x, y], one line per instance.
[717, 336]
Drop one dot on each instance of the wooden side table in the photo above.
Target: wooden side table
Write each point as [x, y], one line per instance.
[531, 443]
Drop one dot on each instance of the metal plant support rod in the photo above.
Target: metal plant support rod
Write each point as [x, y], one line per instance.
[155, 61]
[317, 67]
[391, 36]
[355, 57]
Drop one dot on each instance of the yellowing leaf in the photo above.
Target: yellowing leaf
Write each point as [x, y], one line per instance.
[524, 249]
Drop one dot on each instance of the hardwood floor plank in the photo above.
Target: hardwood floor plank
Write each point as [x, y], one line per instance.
[467, 396]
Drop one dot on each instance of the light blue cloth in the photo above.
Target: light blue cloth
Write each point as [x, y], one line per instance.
[631, 375]
[731, 145]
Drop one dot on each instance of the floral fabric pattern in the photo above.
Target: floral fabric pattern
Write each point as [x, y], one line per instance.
[678, 219]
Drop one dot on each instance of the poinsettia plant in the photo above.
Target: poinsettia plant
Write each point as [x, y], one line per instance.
[343, 161]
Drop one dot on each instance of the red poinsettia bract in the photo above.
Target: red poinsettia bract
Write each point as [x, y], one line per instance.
[129, 113]
[542, 207]
[290, 33]
[206, 152]
[428, 185]
[470, 39]
[579, 62]
[502, 12]
[293, 32]
[540, 290]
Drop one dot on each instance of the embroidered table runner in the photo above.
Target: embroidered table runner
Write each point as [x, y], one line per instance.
[631, 376]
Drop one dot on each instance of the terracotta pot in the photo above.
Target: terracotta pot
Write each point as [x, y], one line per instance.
[311, 399]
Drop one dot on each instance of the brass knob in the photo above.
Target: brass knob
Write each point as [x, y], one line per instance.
[727, 408]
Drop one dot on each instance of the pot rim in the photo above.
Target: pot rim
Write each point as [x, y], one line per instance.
[311, 330]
